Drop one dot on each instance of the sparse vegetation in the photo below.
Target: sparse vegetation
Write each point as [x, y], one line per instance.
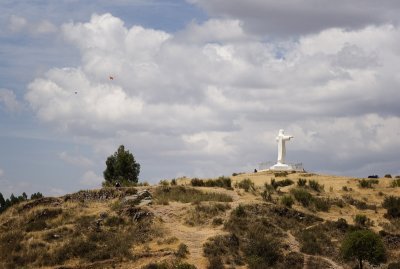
[301, 182]
[314, 185]
[322, 204]
[395, 183]
[287, 200]
[202, 213]
[367, 183]
[222, 182]
[246, 184]
[392, 205]
[281, 183]
[302, 196]
[188, 195]
[182, 251]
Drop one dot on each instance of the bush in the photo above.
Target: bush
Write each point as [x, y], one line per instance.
[287, 200]
[173, 182]
[367, 183]
[217, 221]
[363, 245]
[246, 184]
[360, 220]
[301, 182]
[388, 176]
[344, 188]
[392, 205]
[182, 251]
[215, 263]
[315, 185]
[187, 195]
[310, 243]
[222, 182]
[282, 183]
[395, 183]
[164, 182]
[302, 196]
[294, 260]
[262, 249]
[281, 174]
[239, 211]
[322, 204]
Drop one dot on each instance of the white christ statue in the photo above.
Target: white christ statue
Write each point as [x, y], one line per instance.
[281, 139]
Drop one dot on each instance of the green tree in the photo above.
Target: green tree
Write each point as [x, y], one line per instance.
[121, 166]
[2, 203]
[363, 245]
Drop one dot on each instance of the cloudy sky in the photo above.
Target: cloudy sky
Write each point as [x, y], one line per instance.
[200, 88]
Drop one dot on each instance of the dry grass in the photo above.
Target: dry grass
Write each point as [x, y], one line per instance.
[101, 232]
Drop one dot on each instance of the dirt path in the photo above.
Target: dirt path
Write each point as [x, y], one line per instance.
[294, 246]
[194, 237]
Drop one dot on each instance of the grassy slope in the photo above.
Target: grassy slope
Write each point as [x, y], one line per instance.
[36, 235]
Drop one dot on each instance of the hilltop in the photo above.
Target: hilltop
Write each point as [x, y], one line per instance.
[254, 220]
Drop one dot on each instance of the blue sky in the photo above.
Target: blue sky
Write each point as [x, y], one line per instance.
[201, 88]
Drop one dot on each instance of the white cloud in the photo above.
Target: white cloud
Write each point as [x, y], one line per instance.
[17, 23]
[9, 101]
[75, 160]
[20, 24]
[293, 17]
[90, 178]
[208, 92]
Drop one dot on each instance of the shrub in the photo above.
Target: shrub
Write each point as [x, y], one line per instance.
[395, 183]
[184, 265]
[341, 224]
[388, 176]
[187, 195]
[367, 183]
[173, 182]
[267, 193]
[302, 196]
[310, 243]
[164, 182]
[262, 249]
[363, 245]
[360, 220]
[281, 174]
[344, 188]
[282, 183]
[217, 221]
[182, 251]
[239, 211]
[315, 185]
[322, 204]
[392, 205]
[222, 182]
[215, 262]
[246, 184]
[294, 260]
[301, 182]
[287, 200]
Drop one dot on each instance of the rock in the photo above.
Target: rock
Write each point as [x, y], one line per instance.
[141, 198]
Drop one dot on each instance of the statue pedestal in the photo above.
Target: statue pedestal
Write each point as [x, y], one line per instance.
[281, 167]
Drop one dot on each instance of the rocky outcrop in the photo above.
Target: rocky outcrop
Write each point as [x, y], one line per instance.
[100, 195]
[141, 198]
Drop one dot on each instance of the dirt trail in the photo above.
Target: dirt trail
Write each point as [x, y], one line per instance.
[194, 237]
[294, 245]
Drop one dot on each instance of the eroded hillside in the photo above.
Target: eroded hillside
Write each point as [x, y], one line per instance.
[260, 220]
